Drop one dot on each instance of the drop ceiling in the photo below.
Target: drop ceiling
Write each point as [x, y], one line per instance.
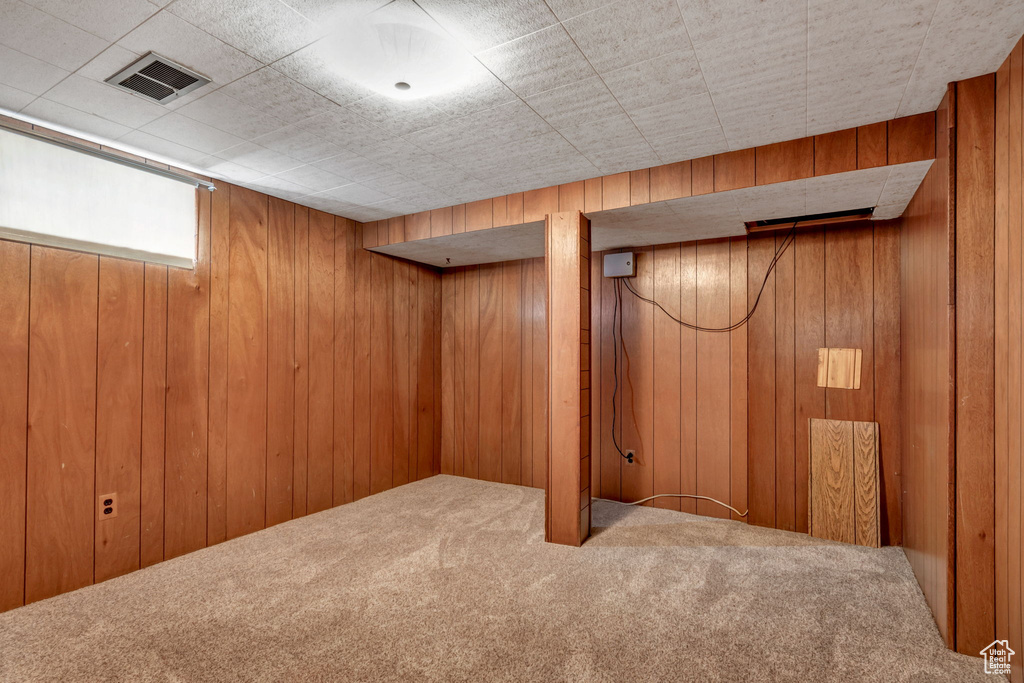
[563, 89]
[887, 189]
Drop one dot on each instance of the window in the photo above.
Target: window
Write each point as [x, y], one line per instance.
[56, 195]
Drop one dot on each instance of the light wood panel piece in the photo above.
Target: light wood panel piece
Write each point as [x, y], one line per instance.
[844, 481]
[839, 368]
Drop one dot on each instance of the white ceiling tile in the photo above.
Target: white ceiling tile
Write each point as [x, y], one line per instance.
[747, 42]
[576, 103]
[628, 31]
[14, 99]
[44, 36]
[758, 114]
[107, 63]
[672, 119]
[351, 165]
[313, 178]
[271, 92]
[258, 158]
[566, 9]
[342, 126]
[767, 202]
[264, 29]
[228, 170]
[279, 187]
[74, 119]
[108, 20]
[298, 143]
[966, 38]
[902, 183]
[669, 77]
[191, 133]
[331, 12]
[143, 143]
[480, 25]
[398, 117]
[228, 114]
[28, 74]
[312, 67]
[538, 62]
[105, 101]
[482, 90]
[395, 185]
[594, 136]
[176, 39]
[355, 193]
[701, 143]
[627, 159]
[844, 40]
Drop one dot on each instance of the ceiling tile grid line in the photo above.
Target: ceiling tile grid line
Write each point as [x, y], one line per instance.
[563, 89]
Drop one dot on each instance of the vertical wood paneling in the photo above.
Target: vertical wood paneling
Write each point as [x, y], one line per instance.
[1002, 351]
[61, 507]
[280, 361]
[119, 413]
[849, 274]
[188, 391]
[887, 365]
[381, 409]
[361, 378]
[247, 364]
[471, 465]
[344, 369]
[738, 373]
[301, 424]
[14, 344]
[490, 372]
[448, 376]
[975, 372]
[761, 383]
[637, 382]
[809, 317]
[154, 392]
[713, 428]
[785, 378]
[187, 407]
[835, 152]
[216, 524]
[401, 405]
[667, 439]
[320, 445]
[511, 378]
[459, 373]
[540, 374]
[688, 375]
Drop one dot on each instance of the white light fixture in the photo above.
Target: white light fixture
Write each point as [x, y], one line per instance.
[399, 52]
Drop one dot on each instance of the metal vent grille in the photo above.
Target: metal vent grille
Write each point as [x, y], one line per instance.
[158, 78]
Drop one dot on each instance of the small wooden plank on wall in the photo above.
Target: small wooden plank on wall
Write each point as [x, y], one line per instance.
[844, 499]
[839, 368]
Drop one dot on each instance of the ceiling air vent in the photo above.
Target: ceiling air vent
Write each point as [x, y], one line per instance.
[158, 78]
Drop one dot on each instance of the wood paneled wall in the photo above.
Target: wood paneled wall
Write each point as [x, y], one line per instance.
[927, 400]
[291, 371]
[1008, 317]
[691, 404]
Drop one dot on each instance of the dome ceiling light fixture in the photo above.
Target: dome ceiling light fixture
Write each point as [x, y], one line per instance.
[399, 52]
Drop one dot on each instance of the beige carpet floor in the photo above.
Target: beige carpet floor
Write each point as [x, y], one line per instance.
[449, 579]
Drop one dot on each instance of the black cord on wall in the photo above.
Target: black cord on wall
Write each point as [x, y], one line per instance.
[617, 339]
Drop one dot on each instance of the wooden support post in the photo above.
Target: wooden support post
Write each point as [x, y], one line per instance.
[567, 258]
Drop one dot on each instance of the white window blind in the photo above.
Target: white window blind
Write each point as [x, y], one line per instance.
[61, 197]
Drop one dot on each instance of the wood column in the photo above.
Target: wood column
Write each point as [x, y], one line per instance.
[567, 258]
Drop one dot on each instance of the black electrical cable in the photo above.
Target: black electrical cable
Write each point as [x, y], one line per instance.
[790, 238]
[616, 339]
